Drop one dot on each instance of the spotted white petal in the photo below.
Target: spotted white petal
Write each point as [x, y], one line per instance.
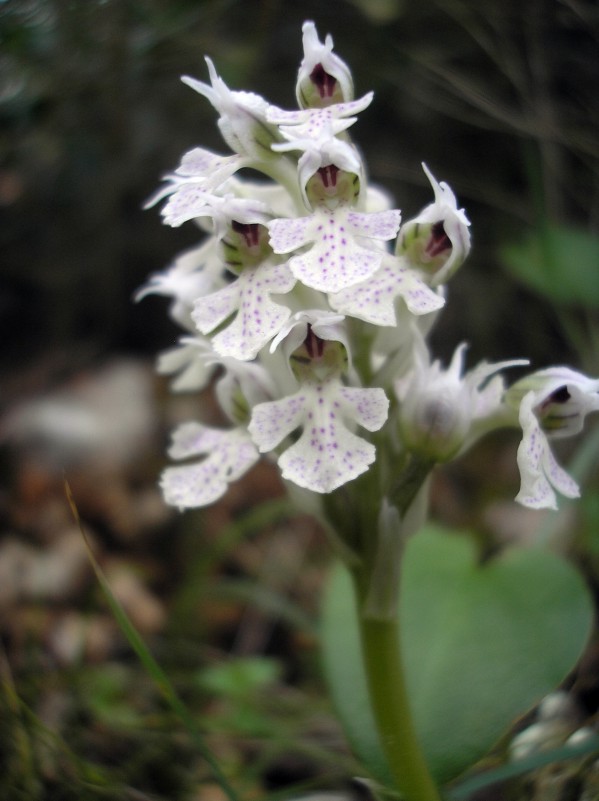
[327, 453]
[214, 168]
[540, 474]
[228, 454]
[373, 300]
[210, 311]
[343, 250]
[311, 123]
[272, 421]
[289, 234]
[258, 318]
[368, 407]
[381, 225]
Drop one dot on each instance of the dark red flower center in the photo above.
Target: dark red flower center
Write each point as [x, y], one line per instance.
[439, 241]
[313, 344]
[249, 231]
[328, 175]
[324, 82]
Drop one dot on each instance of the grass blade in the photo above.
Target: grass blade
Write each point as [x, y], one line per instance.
[149, 663]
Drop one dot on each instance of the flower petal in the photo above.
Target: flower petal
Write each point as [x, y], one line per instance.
[326, 457]
[229, 454]
[374, 300]
[539, 471]
[378, 225]
[369, 407]
[272, 421]
[327, 454]
[335, 264]
[210, 311]
[287, 235]
[191, 363]
[258, 317]
[558, 477]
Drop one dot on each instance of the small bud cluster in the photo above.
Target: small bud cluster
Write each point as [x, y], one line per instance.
[308, 302]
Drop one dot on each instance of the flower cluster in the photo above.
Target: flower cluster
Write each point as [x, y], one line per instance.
[308, 302]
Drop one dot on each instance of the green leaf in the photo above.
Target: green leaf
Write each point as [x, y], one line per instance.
[482, 645]
[241, 677]
[559, 262]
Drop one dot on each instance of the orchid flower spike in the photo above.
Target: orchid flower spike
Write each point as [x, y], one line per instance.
[308, 306]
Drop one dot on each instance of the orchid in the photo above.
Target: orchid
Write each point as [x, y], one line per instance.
[327, 454]
[307, 309]
[271, 280]
[257, 317]
[374, 300]
[323, 77]
[552, 403]
[438, 239]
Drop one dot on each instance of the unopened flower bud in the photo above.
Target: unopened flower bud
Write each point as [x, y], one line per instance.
[434, 423]
[435, 412]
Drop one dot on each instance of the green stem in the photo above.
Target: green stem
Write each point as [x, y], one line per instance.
[390, 706]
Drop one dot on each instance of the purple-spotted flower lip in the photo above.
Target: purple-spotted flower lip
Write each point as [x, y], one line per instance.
[314, 123]
[257, 317]
[374, 300]
[338, 248]
[319, 65]
[540, 474]
[225, 455]
[552, 403]
[327, 453]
